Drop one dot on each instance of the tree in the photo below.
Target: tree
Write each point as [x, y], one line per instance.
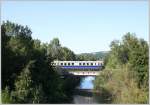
[68, 55]
[26, 69]
[16, 46]
[126, 72]
[54, 49]
[24, 86]
[138, 58]
[86, 57]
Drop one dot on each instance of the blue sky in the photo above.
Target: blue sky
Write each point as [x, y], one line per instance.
[81, 26]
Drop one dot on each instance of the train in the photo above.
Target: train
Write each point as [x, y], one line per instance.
[78, 64]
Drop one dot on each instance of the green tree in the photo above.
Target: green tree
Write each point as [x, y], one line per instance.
[54, 49]
[16, 46]
[126, 73]
[26, 68]
[67, 54]
[138, 57]
[23, 86]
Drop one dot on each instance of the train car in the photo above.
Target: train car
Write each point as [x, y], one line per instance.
[78, 64]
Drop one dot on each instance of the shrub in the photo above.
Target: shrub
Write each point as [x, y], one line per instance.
[121, 86]
[6, 96]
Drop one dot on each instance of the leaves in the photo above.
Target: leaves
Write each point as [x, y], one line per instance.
[126, 73]
[26, 68]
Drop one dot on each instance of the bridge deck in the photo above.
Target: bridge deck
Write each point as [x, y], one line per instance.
[85, 73]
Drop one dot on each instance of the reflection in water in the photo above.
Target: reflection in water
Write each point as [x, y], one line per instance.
[84, 94]
[87, 82]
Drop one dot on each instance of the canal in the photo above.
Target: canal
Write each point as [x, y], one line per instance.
[84, 93]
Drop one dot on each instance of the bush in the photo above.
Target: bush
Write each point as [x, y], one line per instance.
[6, 96]
[121, 87]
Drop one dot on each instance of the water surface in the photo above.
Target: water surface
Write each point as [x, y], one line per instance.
[84, 94]
[87, 82]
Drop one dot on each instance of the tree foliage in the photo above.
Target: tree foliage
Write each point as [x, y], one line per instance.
[16, 51]
[126, 71]
[55, 50]
[27, 76]
[91, 56]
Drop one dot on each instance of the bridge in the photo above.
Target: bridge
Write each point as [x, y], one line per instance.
[80, 68]
[84, 73]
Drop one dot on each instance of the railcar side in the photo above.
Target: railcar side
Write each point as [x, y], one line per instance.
[78, 64]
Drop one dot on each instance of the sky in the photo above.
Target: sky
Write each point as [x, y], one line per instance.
[82, 26]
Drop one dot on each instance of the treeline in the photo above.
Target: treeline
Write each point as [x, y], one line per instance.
[125, 77]
[92, 56]
[27, 76]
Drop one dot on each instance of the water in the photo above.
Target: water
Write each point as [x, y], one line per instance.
[87, 82]
[84, 94]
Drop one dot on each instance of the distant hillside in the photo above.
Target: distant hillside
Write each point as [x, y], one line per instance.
[92, 56]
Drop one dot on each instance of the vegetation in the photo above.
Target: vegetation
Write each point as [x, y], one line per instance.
[55, 50]
[27, 76]
[92, 56]
[125, 77]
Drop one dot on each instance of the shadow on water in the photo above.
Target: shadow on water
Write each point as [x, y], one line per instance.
[99, 98]
[84, 92]
[103, 97]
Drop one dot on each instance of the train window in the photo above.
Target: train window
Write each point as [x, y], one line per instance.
[65, 64]
[87, 63]
[68, 64]
[72, 63]
[79, 63]
[83, 63]
[91, 63]
[95, 63]
[61, 64]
